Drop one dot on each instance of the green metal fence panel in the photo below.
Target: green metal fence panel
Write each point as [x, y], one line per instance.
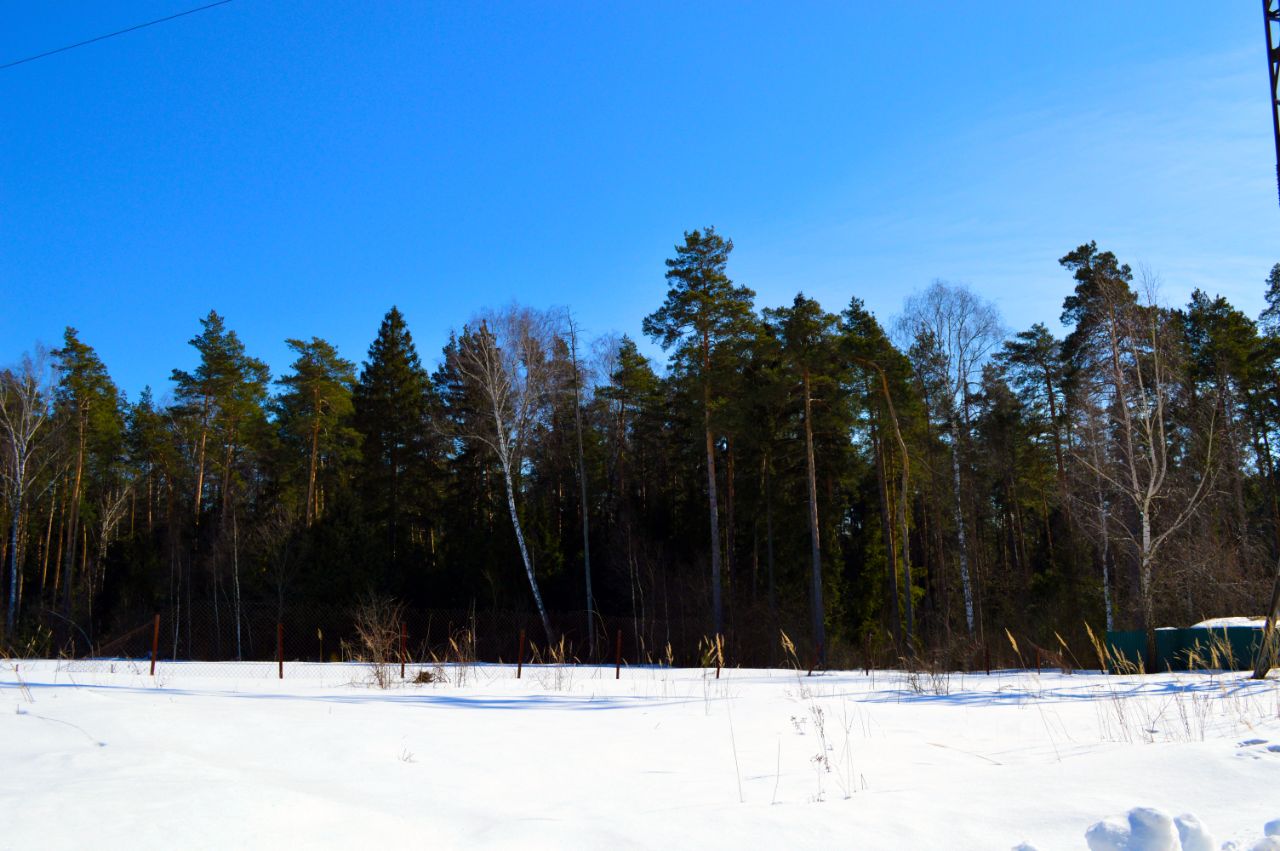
[1233, 648]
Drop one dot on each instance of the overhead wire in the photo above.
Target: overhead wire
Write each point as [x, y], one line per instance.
[112, 35]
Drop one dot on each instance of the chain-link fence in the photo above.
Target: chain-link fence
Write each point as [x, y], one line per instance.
[260, 637]
[209, 631]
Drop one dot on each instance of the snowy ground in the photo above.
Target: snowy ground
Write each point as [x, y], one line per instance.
[216, 756]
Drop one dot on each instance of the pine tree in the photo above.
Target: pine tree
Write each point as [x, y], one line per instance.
[702, 313]
[315, 408]
[224, 398]
[808, 336]
[86, 400]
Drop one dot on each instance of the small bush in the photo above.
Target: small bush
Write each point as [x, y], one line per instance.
[378, 623]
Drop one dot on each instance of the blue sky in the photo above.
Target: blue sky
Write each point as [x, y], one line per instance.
[301, 166]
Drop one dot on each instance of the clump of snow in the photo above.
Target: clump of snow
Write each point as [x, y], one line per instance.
[1110, 834]
[1193, 835]
[1223, 623]
[1149, 829]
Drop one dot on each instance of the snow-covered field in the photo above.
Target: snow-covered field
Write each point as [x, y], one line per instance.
[226, 755]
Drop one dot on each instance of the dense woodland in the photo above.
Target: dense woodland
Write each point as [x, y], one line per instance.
[919, 485]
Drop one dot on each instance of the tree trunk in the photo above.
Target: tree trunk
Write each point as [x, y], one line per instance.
[204, 437]
[1271, 487]
[1057, 437]
[524, 551]
[768, 536]
[818, 612]
[963, 548]
[228, 462]
[48, 538]
[1145, 565]
[903, 522]
[11, 611]
[729, 533]
[886, 530]
[1106, 567]
[73, 516]
[717, 610]
[1267, 650]
[586, 513]
[311, 471]
[57, 559]
[235, 577]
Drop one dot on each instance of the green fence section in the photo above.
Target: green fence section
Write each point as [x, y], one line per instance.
[1233, 648]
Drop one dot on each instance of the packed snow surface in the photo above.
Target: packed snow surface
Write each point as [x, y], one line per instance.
[227, 755]
[1222, 623]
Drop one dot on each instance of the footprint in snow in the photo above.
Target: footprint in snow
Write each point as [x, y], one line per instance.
[1252, 748]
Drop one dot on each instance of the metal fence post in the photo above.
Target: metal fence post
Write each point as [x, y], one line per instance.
[520, 655]
[280, 647]
[403, 630]
[155, 644]
[617, 658]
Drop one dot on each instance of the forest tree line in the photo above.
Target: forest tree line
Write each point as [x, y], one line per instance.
[918, 485]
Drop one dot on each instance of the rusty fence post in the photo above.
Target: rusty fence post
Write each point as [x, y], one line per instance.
[617, 658]
[280, 647]
[155, 644]
[986, 658]
[403, 637]
[1037, 659]
[520, 655]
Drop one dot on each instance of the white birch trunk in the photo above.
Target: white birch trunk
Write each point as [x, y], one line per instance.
[963, 548]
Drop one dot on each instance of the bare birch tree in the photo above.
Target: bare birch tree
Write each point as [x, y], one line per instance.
[1139, 383]
[24, 411]
[505, 359]
[963, 329]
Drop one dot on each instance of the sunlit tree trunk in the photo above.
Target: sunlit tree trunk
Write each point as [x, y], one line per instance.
[815, 547]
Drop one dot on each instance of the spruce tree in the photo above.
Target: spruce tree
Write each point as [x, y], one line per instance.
[390, 413]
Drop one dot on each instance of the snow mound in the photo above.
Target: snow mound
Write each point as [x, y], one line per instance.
[1270, 843]
[1108, 835]
[1193, 835]
[1223, 623]
[1149, 829]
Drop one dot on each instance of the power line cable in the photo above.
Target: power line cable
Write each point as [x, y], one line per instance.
[113, 35]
